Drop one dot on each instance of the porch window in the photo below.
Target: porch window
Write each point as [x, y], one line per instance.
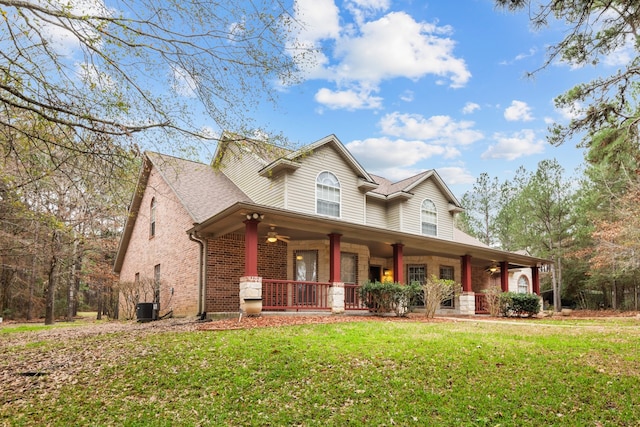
[523, 284]
[306, 270]
[446, 273]
[328, 195]
[152, 218]
[349, 275]
[417, 273]
[429, 217]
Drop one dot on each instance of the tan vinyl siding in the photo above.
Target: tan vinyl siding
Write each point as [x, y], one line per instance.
[243, 170]
[376, 213]
[412, 210]
[301, 185]
[394, 215]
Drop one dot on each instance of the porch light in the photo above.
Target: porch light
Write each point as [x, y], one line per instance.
[272, 239]
[493, 268]
[387, 272]
[255, 215]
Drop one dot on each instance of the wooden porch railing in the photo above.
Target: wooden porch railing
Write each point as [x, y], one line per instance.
[352, 298]
[481, 304]
[295, 295]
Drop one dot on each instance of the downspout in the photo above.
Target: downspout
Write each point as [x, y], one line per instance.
[201, 243]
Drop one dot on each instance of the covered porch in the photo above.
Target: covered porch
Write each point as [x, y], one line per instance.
[296, 262]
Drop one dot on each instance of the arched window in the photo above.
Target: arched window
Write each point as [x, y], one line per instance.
[328, 195]
[152, 218]
[429, 218]
[523, 284]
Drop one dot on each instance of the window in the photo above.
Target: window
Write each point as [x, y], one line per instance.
[523, 284]
[446, 273]
[429, 218]
[328, 195]
[306, 270]
[349, 275]
[152, 218]
[417, 273]
[156, 283]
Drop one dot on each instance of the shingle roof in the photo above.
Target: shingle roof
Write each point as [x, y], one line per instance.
[202, 190]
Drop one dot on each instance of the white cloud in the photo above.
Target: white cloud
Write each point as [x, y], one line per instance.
[436, 129]
[383, 154]
[455, 175]
[470, 107]
[319, 19]
[573, 111]
[63, 41]
[520, 57]
[183, 84]
[370, 50]
[518, 111]
[347, 99]
[410, 49]
[407, 96]
[362, 9]
[511, 147]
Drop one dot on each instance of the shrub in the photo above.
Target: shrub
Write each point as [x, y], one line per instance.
[518, 305]
[493, 300]
[436, 291]
[388, 297]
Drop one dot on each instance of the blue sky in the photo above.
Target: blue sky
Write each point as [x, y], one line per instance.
[409, 86]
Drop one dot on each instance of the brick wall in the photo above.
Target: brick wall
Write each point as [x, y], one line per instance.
[170, 247]
[225, 266]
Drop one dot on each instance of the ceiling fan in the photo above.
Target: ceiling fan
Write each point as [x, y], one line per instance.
[273, 236]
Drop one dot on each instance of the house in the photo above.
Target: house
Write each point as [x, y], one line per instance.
[299, 229]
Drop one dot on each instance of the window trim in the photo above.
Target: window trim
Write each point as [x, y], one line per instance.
[338, 188]
[422, 217]
[526, 279]
[444, 304]
[152, 217]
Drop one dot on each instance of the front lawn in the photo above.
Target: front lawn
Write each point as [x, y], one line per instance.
[357, 373]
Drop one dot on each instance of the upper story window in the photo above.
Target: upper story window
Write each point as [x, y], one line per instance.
[429, 218]
[328, 195]
[152, 218]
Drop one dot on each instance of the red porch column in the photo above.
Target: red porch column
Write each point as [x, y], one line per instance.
[466, 273]
[504, 276]
[398, 265]
[334, 257]
[535, 278]
[251, 247]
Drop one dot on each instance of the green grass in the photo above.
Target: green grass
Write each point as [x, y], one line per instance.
[361, 373]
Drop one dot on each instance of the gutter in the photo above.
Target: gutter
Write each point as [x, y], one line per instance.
[201, 265]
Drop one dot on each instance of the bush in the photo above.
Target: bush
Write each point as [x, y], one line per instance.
[492, 297]
[518, 305]
[437, 291]
[388, 297]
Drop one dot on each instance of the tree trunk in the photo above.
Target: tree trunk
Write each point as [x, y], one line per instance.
[49, 317]
[557, 304]
[73, 280]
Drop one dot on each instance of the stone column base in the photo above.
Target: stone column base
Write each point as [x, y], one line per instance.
[250, 289]
[468, 303]
[336, 297]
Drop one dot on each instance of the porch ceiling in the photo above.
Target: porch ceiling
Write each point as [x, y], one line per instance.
[300, 226]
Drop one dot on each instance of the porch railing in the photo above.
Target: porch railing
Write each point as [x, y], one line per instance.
[352, 298]
[481, 304]
[295, 295]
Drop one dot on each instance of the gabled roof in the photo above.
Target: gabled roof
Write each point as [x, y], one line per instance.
[277, 159]
[202, 191]
[390, 190]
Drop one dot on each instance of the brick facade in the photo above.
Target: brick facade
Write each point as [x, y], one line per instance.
[170, 248]
[225, 266]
